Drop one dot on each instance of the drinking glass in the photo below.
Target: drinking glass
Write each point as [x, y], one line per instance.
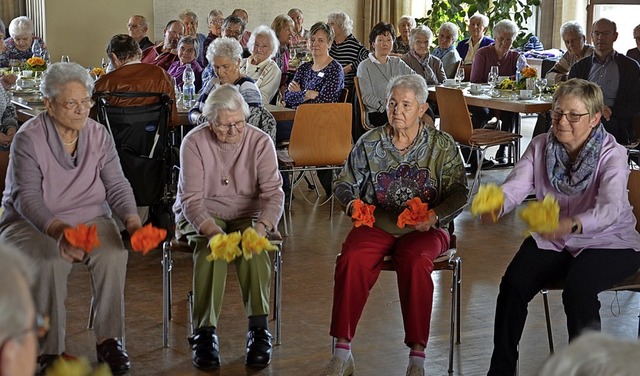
[495, 70]
[540, 83]
[65, 59]
[104, 64]
[493, 81]
[36, 49]
[459, 76]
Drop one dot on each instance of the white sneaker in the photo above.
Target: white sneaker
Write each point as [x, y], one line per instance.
[338, 367]
[414, 370]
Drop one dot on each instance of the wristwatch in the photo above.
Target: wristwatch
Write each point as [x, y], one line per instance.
[574, 226]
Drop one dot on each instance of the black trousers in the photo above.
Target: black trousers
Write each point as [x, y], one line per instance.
[591, 272]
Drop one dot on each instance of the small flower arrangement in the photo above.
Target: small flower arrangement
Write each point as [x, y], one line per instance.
[415, 212]
[227, 246]
[36, 64]
[97, 72]
[525, 73]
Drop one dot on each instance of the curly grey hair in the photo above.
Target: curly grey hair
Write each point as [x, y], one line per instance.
[571, 27]
[451, 28]
[341, 20]
[20, 26]
[225, 47]
[60, 74]
[224, 98]
[265, 31]
[504, 28]
[420, 31]
[485, 19]
[412, 82]
[409, 19]
[188, 13]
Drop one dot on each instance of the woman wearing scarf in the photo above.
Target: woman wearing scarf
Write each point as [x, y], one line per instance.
[595, 244]
[420, 60]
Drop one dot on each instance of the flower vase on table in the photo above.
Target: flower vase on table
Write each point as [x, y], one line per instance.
[527, 78]
[36, 64]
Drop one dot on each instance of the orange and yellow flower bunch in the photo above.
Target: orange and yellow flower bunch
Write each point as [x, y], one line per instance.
[252, 243]
[542, 216]
[415, 212]
[227, 246]
[363, 214]
[97, 72]
[83, 237]
[147, 238]
[529, 72]
[36, 63]
[489, 199]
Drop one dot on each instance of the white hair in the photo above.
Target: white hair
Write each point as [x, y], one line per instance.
[20, 26]
[451, 28]
[265, 31]
[60, 74]
[409, 19]
[224, 98]
[421, 30]
[485, 19]
[341, 20]
[571, 27]
[507, 27]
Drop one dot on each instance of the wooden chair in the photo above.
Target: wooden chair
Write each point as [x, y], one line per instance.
[363, 110]
[631, 283]
[455, 120]
[344, 96]
[320, 140]
[181, 245]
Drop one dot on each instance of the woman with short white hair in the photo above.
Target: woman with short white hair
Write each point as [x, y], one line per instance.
[467, 48]
[446, 51]
[18, 45]
[346, 49]
[420, 60]
[405, 25]
[260, 66]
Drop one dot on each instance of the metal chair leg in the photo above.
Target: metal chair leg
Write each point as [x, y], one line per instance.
[459, 282]
[167, 265]
[277, 294]
[547, 316]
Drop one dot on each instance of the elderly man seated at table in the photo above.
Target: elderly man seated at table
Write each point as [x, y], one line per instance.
[64, 171]
[130, 75]
[164, 54]
[574, 39]
[467, 48]
[138, 28]
[420, 60]
[18, 47]
[619, 78]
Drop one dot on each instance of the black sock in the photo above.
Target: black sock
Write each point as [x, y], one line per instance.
[258, 321]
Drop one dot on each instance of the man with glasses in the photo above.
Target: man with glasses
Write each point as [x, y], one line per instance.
[619, 78]
[164, 54]
[138, 28]
[19, 324]
[233, 27]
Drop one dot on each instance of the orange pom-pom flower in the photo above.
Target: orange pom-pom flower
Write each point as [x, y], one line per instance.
[363, 213]
[252, 243]
[83, 237]
[147, 238]
[416, 212]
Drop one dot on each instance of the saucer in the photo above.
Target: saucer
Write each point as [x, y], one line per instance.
[525, 98]
[476, 92]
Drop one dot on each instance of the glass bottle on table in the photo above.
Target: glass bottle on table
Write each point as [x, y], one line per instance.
[36, 49]
[188, 87]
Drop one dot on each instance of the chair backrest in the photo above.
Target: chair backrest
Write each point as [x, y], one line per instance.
[634, 195]
[321, 134]
[344, 95]
[363, 109]
[454, 116]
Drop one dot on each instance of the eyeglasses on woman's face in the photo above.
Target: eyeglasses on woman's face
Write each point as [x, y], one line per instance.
[239, 125]
[572, 117]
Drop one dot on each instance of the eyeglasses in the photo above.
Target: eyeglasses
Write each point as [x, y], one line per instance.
[422, 42]
[571, 117]
[227, 127]
[72, 105]
[40, 328]
[597, 34]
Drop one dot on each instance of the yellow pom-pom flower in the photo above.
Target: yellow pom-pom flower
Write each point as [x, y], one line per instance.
[76, 367]
[489, 199]
[252, 243]
[225, 246]
[542, 217]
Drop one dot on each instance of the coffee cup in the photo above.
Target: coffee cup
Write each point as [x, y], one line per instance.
[475, 88]
[27, 73]
[450, 82]
[526, 94]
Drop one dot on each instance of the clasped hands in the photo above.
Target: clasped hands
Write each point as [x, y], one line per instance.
[308, 95]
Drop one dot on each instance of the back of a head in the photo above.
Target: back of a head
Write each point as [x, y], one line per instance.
[595, 354]
[15, 295]
[124, 47]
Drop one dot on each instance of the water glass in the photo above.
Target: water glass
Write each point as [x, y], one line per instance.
[493, 80]
[540, 83]
[36, 49]
[495, 70]
[65, 59]
[459, 76]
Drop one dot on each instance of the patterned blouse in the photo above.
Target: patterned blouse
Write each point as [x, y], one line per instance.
[378, 174]
[329, 81]
[12, 52]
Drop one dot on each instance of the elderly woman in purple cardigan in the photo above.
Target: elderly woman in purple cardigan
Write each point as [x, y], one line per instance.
[64, 171]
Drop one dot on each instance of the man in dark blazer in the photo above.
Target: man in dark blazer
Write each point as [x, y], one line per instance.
[619, 78]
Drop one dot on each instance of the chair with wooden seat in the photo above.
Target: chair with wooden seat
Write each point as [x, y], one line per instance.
[181, 245]
[364, 119]
[456, 121]
[631, 283]
[320, 140]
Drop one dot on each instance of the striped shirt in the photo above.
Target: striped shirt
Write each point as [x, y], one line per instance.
[351, 51]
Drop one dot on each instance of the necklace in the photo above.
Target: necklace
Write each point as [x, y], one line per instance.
[412, 144]
[225, 171]
[70, 142]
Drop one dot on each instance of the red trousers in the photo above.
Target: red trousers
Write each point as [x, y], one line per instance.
[358, 268]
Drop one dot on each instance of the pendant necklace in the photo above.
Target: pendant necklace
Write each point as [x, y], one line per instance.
[225, 172]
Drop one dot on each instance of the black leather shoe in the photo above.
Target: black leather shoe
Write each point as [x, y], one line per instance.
[113, 353]
[206, 353]
[258, 347]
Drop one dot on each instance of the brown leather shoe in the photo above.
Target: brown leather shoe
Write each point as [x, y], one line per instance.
[113, 353]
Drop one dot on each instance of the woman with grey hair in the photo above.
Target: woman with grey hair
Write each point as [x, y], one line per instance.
[242, 191]
[190, 20]
[188, 48]
[446, 52]
[420, 60]
[389, 165]
[18, 45]
[64, 171]
[260, 66]
[508, 61]
[467, 48]
[225, 55]
[574, 39]
[401, 44]
[346, 49]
